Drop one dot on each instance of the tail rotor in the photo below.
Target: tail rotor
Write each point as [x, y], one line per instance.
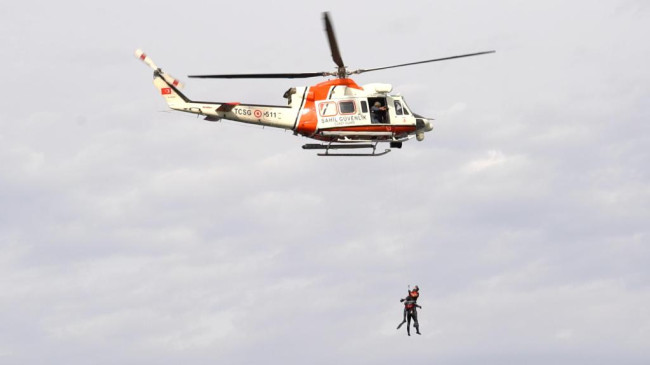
[149, 62]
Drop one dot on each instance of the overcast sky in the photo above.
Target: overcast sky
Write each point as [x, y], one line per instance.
[131, 235]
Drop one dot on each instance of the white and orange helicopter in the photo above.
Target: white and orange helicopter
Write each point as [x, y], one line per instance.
[339, 113]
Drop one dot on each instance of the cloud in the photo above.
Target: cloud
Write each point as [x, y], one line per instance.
[495, 159]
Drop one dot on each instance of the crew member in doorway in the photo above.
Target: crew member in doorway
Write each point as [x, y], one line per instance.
[378, 113]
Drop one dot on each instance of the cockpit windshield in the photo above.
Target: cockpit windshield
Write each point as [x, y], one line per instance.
[405, 107]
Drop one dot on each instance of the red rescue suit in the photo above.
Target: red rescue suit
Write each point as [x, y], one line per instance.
[410, 311]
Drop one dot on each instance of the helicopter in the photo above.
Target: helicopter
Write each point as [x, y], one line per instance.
[338, 113]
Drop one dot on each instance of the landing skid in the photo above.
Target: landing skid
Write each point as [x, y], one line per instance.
[330, 146]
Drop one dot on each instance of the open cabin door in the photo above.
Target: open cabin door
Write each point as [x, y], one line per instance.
[379, 110]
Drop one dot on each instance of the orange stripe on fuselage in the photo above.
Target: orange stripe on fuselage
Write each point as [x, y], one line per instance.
[308, 122]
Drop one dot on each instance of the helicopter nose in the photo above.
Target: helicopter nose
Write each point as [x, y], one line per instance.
[423, 125]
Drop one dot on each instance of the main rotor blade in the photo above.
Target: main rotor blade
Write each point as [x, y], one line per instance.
[334, 47]
[262, 76]
[427, 61]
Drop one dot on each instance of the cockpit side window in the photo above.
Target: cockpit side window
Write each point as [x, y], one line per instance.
[406, 107]
[398, 108]
[364, 106]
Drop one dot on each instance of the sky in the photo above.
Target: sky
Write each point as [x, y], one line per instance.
[130, 234]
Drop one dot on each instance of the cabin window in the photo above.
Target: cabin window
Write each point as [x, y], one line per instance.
[347, 107]
[398, 108]
[364, 106]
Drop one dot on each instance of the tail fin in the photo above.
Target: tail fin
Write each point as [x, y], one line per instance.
[165, 83]
[174, 98]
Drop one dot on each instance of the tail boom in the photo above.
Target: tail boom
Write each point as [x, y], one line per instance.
[265, 115]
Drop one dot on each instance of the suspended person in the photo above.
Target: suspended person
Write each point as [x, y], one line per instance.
[410, 310]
